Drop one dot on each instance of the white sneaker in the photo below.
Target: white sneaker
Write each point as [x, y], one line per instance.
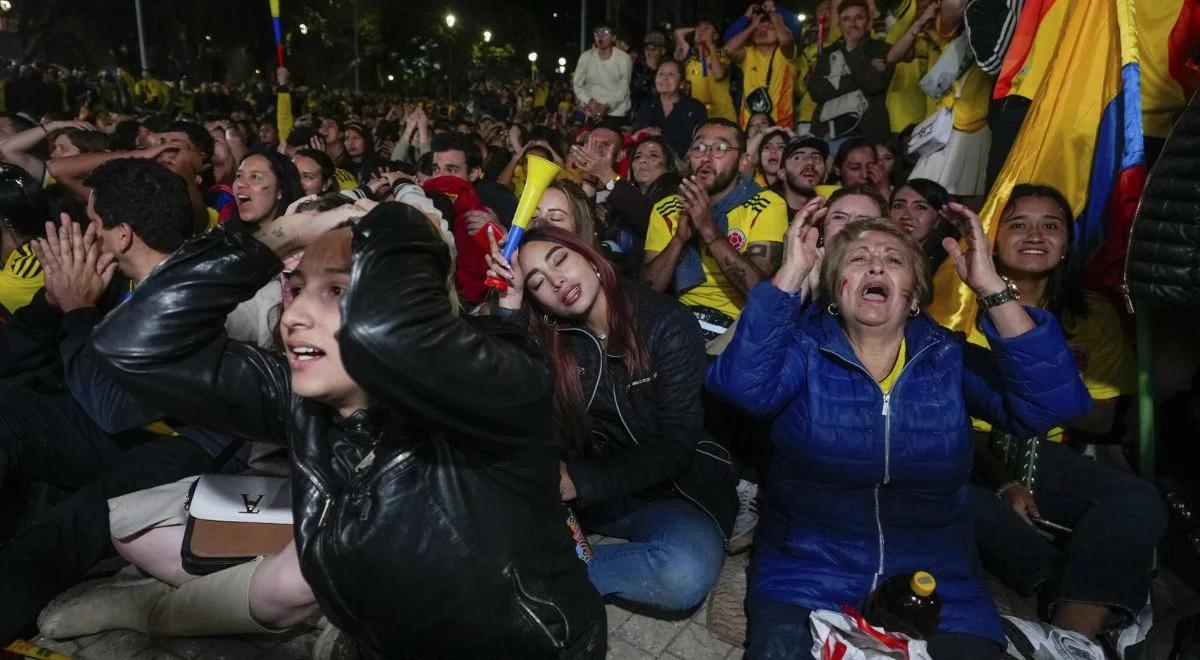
[747, 517]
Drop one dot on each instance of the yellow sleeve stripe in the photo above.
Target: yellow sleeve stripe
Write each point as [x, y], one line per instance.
[669, 206]
[24, 264]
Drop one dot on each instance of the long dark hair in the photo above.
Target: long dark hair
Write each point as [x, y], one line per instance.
[570, 409]
[843, 152]
[937, 197]
[287, 179]
[670, 158]
[1064, 291]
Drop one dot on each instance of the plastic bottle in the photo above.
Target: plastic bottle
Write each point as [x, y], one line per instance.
[907, 603]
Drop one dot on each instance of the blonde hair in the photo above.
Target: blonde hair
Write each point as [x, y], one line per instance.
[581, 211]
[835, 253]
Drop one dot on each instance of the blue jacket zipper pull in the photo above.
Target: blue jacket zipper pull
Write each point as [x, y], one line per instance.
[886, 399]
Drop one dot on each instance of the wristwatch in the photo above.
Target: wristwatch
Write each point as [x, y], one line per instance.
[1009, 292]
[612, 183]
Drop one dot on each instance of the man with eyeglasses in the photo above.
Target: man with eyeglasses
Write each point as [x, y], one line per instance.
[602, 78]
[720, 236]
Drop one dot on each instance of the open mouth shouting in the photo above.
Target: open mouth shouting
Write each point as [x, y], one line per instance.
[876, 292]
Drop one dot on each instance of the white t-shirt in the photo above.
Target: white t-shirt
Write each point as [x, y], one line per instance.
[606, 81]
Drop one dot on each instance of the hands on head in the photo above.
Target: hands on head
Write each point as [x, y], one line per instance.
[295, 231]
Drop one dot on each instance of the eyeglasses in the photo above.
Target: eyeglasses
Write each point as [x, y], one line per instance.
[602, 32]
[718, 149]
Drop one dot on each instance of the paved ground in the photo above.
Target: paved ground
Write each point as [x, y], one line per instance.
[631, 636]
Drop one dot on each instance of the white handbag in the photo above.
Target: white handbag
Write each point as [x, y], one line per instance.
[242, 498]
[933, 133]
[955, 59]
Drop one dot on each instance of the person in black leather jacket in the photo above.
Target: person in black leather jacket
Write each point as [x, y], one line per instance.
[637, 462]
[427, 521]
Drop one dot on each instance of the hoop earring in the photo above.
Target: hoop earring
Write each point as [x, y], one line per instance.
[914, 312]
[832, 309]
[550, 321]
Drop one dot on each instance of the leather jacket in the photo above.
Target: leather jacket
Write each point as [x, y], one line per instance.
[429, 525]
[1162, 266]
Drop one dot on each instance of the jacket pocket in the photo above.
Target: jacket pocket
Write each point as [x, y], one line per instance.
[545, 624]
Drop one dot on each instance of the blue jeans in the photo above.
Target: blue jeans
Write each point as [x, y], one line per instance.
[1117, 520]
[779, 631]
[672, 558]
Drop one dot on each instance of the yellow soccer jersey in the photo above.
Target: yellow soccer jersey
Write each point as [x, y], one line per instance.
[21, 278]
[763, 218]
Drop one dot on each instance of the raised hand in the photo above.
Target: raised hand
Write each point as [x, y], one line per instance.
[476, 220]
[698, 206]
[510, 272]
[800, 252]
[974, 264]
[76, 273]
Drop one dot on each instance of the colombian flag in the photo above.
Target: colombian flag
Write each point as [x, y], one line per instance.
[1084, 130]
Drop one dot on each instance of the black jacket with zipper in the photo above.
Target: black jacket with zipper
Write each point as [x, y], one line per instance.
[428, 526]
[664, 445]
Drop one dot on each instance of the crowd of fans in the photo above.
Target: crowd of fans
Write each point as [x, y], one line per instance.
[714, 334]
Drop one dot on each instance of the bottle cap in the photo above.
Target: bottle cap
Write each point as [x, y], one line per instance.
[923, 584]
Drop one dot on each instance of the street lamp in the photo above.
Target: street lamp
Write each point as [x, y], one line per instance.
[450, 20]
[562, 61]
[487, 36]
[391, 78]
[802, 17]
[5, 5]
[533, 58]
[532, 66]
[303, 28]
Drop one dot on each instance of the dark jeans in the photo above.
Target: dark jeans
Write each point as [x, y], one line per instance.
[52, 439]
[672, 559]
[1005, 117]
[1117, 520]
[779, 631]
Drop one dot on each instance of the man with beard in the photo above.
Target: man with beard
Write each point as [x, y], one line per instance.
[721, 235]
[803, 171]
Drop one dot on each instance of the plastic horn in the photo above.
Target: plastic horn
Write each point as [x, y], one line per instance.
[539, 174]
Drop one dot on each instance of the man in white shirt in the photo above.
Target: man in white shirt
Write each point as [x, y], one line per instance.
[602, 78]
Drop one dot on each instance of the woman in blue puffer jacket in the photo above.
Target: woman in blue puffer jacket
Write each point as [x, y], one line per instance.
[871, 403]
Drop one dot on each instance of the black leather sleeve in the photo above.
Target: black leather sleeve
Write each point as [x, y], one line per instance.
[404, 344]
[167, 343]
